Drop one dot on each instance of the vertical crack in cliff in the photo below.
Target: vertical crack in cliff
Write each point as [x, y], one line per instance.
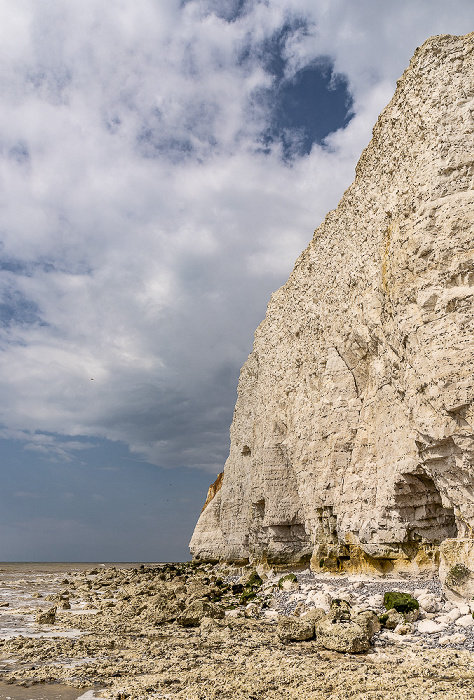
[350, 370]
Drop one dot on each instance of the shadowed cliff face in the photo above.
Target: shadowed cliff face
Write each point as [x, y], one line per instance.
[353, 433]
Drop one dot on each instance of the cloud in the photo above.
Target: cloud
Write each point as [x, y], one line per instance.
[145, 220]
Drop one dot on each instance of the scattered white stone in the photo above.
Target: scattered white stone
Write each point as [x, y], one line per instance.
[420, 592]
[443, 619]
[296, 596]
[269, 614]
[457, 638]
[454, 614]
[430, 627]
[429, 602]
[342, 592]
[464, 609]
[465, 621]
[358, 608]
[322, 600]
[375, 601]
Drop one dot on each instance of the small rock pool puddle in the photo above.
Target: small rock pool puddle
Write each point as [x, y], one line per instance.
[44, 691]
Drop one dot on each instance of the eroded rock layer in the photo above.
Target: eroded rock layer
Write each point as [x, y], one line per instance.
[353, 433]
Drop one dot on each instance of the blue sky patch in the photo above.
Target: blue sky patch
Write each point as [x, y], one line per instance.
[15, 308]
[306, 108]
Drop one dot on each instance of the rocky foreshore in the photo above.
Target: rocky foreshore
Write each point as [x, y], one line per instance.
[196, 631]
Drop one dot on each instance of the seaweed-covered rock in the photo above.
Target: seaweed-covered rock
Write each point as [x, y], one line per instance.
[402, 602]
[391, 619]
[247, 596]
[251, 581]
[458, 575]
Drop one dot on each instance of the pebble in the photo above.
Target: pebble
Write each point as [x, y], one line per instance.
[452, 639]
[465, 621]
[454, 614]
[319, 591]
[430, 627]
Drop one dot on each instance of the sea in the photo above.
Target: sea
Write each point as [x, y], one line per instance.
[21, 585]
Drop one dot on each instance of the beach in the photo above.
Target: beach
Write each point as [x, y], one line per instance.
[128, 631]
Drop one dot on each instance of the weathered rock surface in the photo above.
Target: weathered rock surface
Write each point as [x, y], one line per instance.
[124, 651]
[456, 569]
[47, 617]
[344, 636]
[199, 609]
[353, 435]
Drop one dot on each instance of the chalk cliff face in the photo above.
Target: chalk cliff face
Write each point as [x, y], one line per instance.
[353, 434]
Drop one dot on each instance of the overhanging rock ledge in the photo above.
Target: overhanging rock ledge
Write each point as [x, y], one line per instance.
[352, 444]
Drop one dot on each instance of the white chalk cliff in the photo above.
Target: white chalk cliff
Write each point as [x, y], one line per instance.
[352, 442]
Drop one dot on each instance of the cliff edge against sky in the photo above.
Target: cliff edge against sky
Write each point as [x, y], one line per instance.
[352, 443]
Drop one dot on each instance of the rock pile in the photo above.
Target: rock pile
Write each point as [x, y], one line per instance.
[184, 631]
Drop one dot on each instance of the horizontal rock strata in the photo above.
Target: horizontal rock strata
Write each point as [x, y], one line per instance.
[352, 442]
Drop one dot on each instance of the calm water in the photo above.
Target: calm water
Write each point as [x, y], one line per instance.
[43, 692]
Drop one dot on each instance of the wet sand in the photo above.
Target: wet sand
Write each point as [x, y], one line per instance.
[43, 692]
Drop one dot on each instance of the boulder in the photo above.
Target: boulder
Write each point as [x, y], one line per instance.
[194, 613]
[340, 610]
[46, 617]
[314, 614]
[295, 629]
[252, 610]
[343, 636]
[391, 619]
[213, 630]
[368, 620]
[322, 599]
[456, 570]
[430, 603]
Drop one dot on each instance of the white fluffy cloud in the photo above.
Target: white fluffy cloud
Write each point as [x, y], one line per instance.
[143, 224]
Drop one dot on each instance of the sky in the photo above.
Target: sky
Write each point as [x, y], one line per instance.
[162, 165]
